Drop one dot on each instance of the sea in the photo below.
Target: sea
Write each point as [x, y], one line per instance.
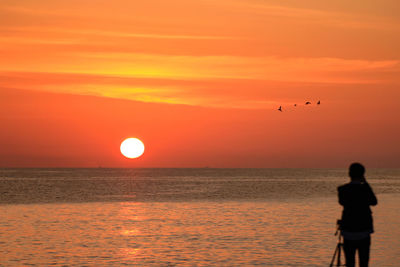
[185, 217]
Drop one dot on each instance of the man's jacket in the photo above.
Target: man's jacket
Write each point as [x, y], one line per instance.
[356, 199]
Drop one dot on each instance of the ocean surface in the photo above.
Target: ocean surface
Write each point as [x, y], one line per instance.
[185, 217]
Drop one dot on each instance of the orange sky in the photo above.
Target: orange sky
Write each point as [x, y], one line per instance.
[199, 83]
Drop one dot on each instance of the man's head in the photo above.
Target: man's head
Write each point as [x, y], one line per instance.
[356, 172]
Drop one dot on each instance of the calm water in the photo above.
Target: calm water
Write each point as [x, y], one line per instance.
[184, 217]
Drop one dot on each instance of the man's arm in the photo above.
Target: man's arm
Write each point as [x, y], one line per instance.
[342, 199]
[372, 200]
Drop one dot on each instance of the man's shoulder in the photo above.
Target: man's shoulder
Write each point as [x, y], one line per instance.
[352, 187]
[343, 187]
[347, 188]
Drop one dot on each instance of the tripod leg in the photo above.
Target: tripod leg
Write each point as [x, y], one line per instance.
[337, 250]
[338, 257]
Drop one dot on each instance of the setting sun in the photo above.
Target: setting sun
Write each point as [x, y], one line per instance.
[132, 148]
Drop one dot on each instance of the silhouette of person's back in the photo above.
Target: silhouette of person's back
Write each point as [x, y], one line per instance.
[356, 198]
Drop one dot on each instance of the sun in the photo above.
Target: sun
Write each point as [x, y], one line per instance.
[132, 148]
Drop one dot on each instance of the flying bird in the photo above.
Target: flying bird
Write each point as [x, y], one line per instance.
[280, 108]
[295, 105]
[319, 102]
[308, 103]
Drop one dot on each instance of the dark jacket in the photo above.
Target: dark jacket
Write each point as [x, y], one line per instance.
[356, 199]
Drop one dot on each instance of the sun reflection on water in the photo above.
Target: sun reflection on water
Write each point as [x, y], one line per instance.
[269, 233]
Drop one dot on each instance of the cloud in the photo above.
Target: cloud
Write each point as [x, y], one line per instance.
[206, 53]
[79, 33]
[328, 70]
[223, 82]
[317, 16]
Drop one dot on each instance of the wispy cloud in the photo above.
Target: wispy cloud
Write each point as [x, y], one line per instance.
[262, 85]
[328, 70]
[20, 32]
[157, 53]
[316, 16]
[217, 93]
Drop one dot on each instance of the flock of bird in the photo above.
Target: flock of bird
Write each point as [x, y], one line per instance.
[307, 103]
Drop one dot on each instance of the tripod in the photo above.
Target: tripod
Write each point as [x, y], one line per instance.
[339, 248]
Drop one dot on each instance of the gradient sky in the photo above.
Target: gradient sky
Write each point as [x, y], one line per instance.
[199, 82]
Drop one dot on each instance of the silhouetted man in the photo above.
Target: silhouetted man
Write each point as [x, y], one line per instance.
[356, 198]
